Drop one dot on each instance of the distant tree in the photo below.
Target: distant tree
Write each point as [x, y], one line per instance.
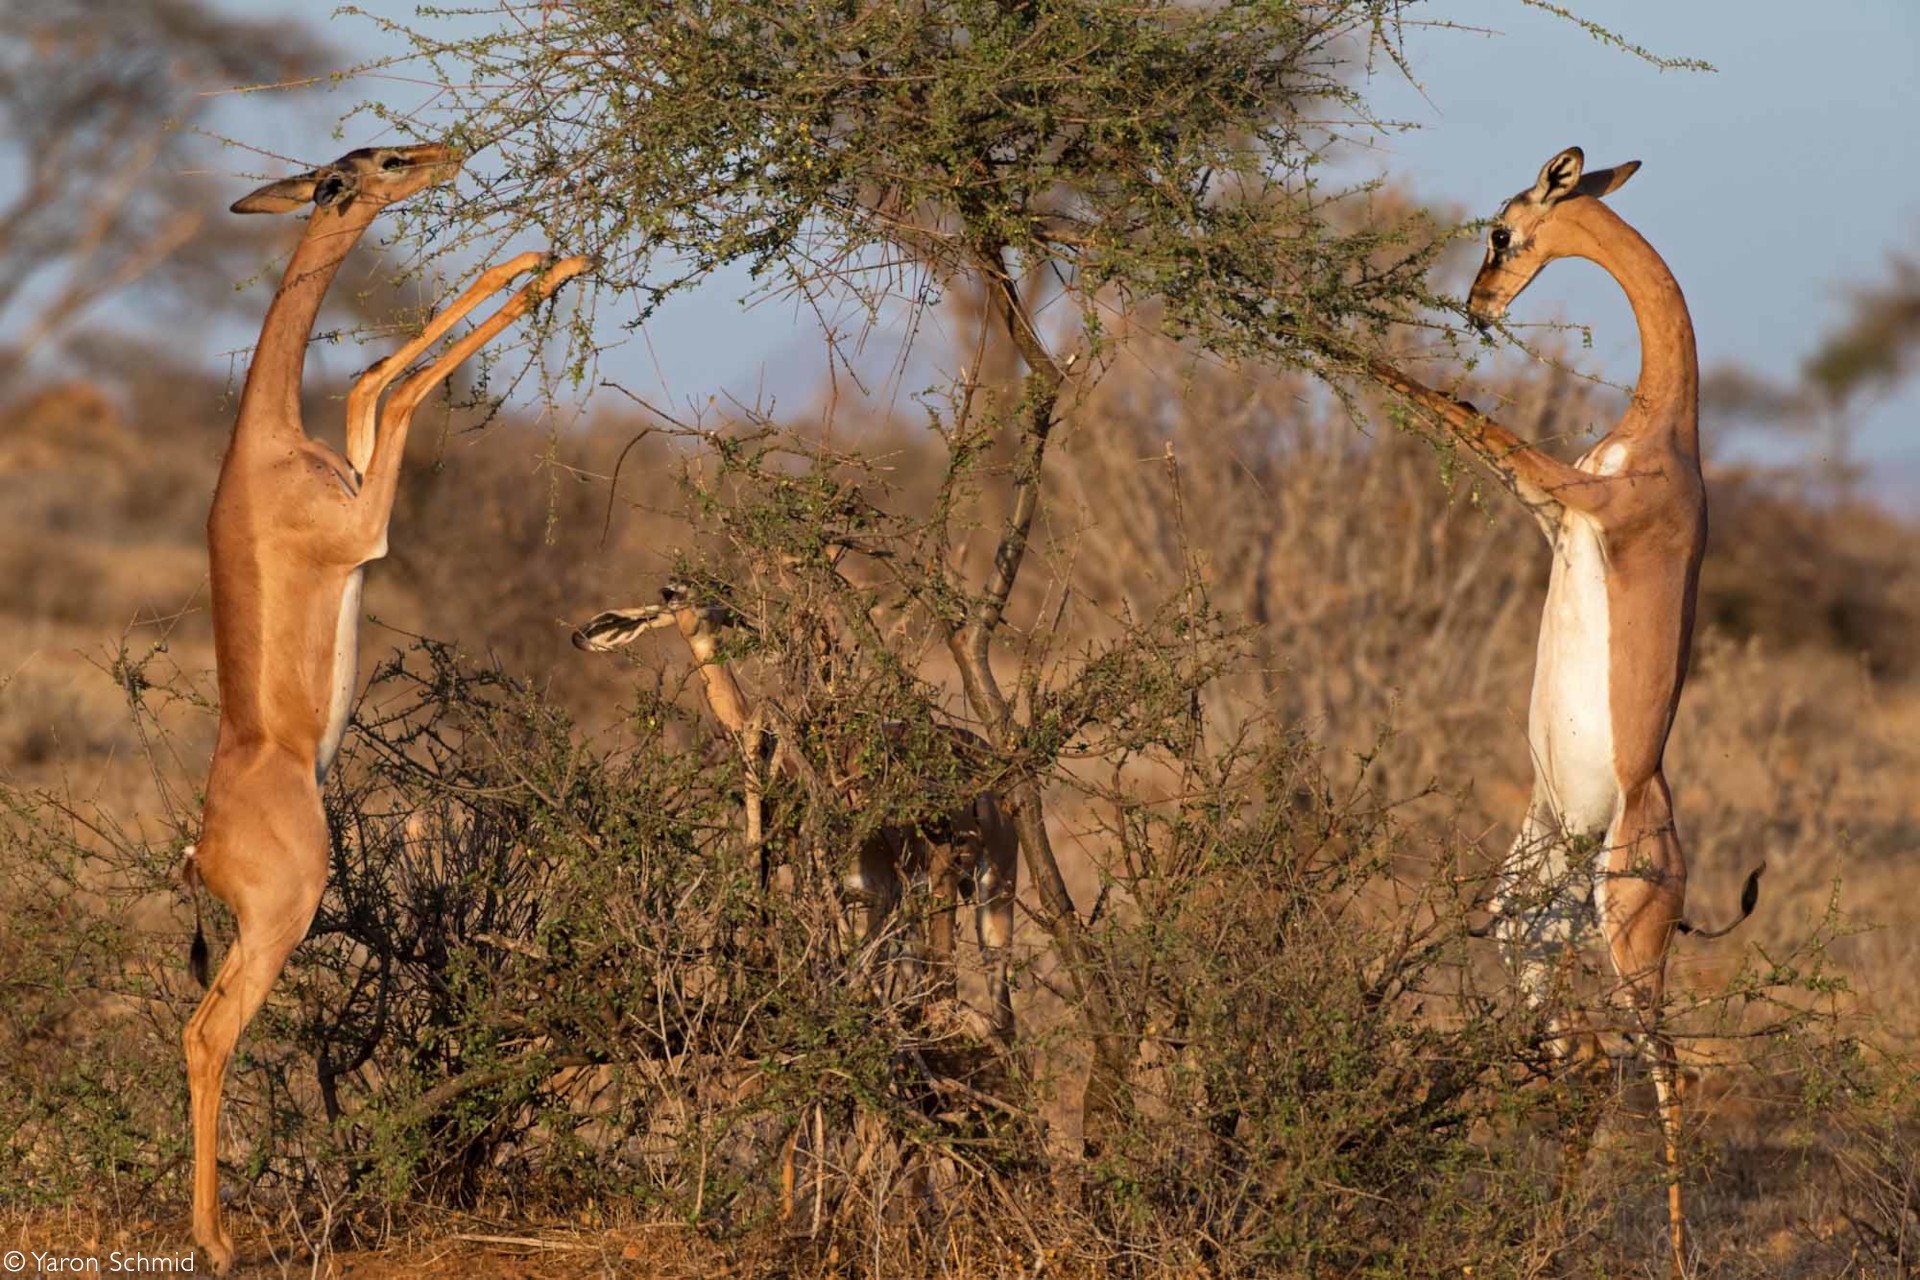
[99, 100]
[1872, 351]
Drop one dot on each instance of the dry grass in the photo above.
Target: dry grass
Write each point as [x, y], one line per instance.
[1379, 600]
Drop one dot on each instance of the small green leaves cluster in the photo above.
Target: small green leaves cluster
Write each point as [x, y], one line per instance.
[1131, 149]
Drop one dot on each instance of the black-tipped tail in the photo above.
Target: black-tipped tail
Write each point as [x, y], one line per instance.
[1749, 899]
[189, 874]
[197, 954]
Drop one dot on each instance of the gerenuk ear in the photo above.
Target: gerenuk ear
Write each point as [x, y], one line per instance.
[616, 627]
[283, 196]
[1606, 181]
[1558, 178]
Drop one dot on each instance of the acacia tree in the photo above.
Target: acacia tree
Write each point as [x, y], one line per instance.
[1117, 154]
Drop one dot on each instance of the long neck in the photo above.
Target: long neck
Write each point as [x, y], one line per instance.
[271, 397]
[1666, 398]
[724, 694]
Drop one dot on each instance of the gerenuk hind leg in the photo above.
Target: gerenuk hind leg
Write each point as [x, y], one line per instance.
[1543, 907]
[1641, 896]
[270, 867]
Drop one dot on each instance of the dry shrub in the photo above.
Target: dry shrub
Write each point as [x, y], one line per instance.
[1800, 573]
[1276, 680]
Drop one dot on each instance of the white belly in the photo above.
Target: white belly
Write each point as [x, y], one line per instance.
[1570, 724]
[346, 672]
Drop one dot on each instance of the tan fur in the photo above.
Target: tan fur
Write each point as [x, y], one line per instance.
[1634, 512]
[291, 526]
[982, 839]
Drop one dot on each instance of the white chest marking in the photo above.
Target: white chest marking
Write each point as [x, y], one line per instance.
[346, 672]
[1570, 724]
[1606, 460]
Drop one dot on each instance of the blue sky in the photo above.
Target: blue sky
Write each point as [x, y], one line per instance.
[1771, 185]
